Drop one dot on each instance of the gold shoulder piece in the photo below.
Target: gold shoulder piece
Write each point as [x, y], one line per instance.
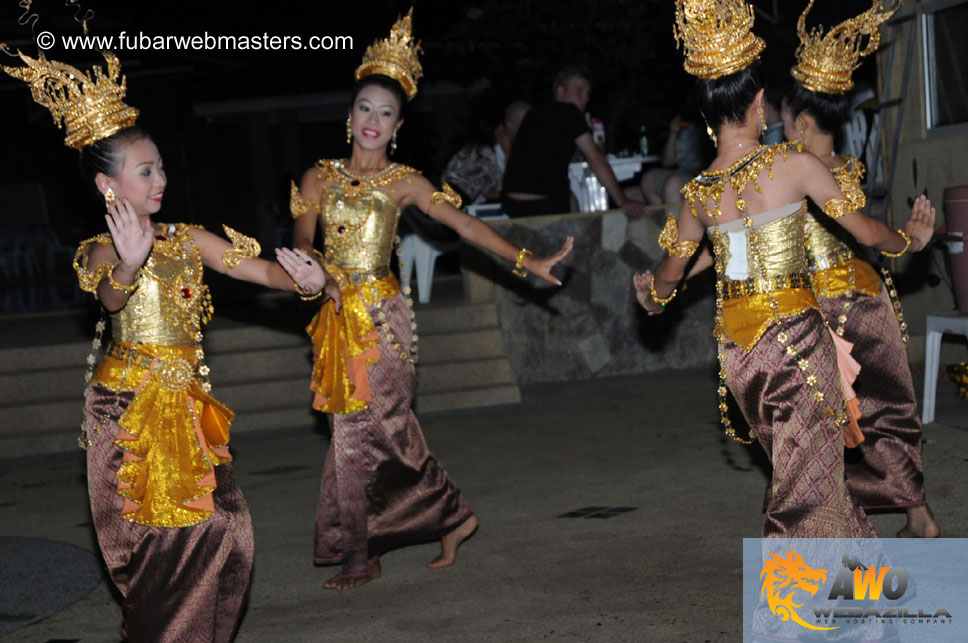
[668, 240]
[297, 205]
[88, 280]
[243, 247]
[449, 195]
[849, 176]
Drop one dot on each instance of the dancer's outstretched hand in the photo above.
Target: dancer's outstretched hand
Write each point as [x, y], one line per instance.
[643, 292]
[541, 266]
[308, 274]
[920, 227]
[132, 238]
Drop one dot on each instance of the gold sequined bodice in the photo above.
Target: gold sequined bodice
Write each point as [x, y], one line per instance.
[780, 245]
[168, 306]
[825, 248]
[358, 230]
[774, 250]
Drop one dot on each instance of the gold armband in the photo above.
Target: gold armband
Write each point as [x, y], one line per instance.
[87, 280]
[449, 195]
[855, 202]
[243, 247]
[907, 246]
[298, 206]
[121, 288]
[667, 239]
[519, 263]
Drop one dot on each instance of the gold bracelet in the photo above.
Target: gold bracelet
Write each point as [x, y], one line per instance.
[519, 264]
[907, 242]
[305, 297]
[659, 300]
[121, 288]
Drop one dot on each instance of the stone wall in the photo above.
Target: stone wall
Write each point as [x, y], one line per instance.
[591, 326]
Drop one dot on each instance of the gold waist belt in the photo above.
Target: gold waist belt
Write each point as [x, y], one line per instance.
[364, 276]
[174, 374]
[734, 288]
[829, 259]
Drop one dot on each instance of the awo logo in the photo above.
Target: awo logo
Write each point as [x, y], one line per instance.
[783, 576]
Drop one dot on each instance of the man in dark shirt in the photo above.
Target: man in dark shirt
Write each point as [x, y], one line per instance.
[536, 179]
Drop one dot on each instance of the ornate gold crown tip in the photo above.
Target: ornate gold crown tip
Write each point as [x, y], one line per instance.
[826, 62]
[395, 56]
[88, 107]
[716, 36]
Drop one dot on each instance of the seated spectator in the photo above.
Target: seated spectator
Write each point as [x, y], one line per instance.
[536, 180]
[683, 157]
[477, 169]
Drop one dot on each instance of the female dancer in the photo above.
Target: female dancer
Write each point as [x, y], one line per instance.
[381, 486]
[851, 295]
[171, 522]
[776, 355]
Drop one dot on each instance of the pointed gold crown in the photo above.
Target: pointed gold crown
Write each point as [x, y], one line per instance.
[716, 36]
[88, 107]
[826, 63]
[395, 56]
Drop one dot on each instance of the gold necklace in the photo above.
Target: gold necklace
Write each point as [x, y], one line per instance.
[353, 185]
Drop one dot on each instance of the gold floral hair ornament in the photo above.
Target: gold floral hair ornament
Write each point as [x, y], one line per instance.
[88, 107]
[716, 36]
[826, 62]
[395, 56]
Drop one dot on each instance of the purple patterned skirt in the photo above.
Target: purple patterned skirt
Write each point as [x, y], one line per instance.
[886, 471]
[381, 486]
[180, 585]
[809, 497]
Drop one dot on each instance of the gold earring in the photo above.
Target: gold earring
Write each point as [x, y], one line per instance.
[349, 131]
[712, 135]
[763, 126]
[109, 198]
[393, 142]
[803, 138]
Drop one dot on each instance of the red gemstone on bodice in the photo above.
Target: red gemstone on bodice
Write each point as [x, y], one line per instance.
[161, 237]
[186, 293]
[355, 182]
[341, 229]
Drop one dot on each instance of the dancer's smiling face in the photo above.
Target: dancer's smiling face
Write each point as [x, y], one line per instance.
[374, 117]
[141, 178]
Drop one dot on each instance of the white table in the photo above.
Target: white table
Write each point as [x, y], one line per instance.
[590, 193]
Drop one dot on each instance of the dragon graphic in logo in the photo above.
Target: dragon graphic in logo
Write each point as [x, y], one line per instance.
[782, 576]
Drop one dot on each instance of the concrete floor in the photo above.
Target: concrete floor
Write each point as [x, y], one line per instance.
[668, 571]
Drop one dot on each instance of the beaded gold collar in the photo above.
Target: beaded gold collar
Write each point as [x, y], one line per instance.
[354, 185]
[709, 185]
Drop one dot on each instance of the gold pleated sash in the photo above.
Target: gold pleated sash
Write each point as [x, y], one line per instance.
[173, 434]
[836, 280]
[745, 319]
[345, 343]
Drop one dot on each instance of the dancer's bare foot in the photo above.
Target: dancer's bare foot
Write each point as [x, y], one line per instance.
[349, 582]
[450, 542]
[920, 524]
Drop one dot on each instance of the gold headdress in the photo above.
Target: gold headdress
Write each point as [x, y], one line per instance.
[825, 63]
[717, 36]
[395, 56]
[88, 107]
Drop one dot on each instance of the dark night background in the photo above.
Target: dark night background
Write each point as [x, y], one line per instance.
[235, 126]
